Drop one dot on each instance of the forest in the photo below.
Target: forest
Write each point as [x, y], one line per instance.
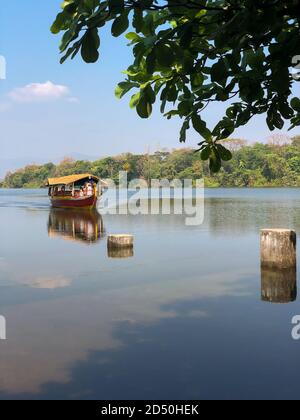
[275, 163]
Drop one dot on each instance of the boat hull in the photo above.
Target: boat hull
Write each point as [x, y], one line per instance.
[71, 202]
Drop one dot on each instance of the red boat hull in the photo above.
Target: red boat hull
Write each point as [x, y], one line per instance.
[71, 202]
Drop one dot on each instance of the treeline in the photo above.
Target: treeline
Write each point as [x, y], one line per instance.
[276, 164]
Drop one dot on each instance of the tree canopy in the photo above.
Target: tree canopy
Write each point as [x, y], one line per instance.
[276, 164]
[188, 54]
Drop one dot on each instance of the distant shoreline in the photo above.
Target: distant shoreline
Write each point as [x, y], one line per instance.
[207, 188]
[252, 166]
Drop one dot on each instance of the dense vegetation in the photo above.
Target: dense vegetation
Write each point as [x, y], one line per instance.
[188, 54]
[260, 165]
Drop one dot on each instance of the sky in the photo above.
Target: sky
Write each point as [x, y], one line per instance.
[49, 110]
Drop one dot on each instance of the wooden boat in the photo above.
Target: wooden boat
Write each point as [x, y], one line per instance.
[74, 191]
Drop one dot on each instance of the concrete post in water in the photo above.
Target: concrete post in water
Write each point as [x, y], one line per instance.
[278, 285]
[120, 241]
[278, 248]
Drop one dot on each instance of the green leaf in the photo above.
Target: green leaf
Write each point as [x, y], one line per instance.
[232, 112]
[225, 154]
[124, 87]
[172, 93]
[250, 90]
[70, 51]
[90, 45]
[164, 55]
[67, 3]
[184, 108]
[255, 59]
[197, 80]
[138, 21]
[66, 39]
[215, 162]
[285, 110]
[146, 3]
[134, 100]
[224, 128]
[278, 121]
[133, 37]
[219, 72]
[149, 94]
[186, 36]
[151, 62]
[116, 6]
[243, 117]
[270, 122]
[90, 4]
[295, 104]
[184, 128]
[120, 24]
[144, 108]
[200, 126]
[280, 80]
[205, 153]
[59, 23]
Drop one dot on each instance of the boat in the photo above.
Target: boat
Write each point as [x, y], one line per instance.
[74, 191]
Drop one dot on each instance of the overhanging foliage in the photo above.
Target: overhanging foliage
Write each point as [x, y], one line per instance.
[188, 54]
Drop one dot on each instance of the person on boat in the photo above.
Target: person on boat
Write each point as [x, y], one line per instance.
[81, 193]
[89, 189]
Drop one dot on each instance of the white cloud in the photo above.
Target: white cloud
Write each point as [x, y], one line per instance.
[39, 92]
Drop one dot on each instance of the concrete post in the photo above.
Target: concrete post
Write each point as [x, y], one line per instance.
[120, 241]
[278, 248]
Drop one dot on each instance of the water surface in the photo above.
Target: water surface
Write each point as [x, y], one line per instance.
[185, 316]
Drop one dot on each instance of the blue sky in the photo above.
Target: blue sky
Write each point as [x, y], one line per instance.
[86, 119]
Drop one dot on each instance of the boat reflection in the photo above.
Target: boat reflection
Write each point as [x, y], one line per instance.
[278, 286]
[76, 225]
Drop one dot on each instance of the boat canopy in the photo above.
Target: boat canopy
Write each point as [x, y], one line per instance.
[66, 180]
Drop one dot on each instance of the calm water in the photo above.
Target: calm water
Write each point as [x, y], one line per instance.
[186, 317]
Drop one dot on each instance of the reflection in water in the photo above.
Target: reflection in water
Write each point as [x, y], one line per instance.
[239, 216]
[120, 252]
[76, 225]
[278, 286]
[174, 322]
[50, 283]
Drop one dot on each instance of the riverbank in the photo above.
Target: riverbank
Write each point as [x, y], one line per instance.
[257, 166]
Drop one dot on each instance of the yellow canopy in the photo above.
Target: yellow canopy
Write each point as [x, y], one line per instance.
[66, 180]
